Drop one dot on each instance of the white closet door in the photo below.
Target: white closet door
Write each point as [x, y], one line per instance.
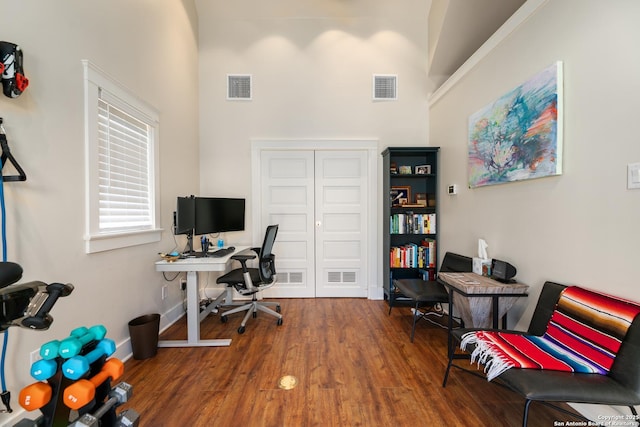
[287, 195]
[341, 223]
[319, 199]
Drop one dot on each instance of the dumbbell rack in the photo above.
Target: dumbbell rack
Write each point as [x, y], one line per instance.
[56, 413]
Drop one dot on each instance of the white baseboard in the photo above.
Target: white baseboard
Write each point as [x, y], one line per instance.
[376, 293]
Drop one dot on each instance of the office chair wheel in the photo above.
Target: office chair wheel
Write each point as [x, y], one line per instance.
[223, 319]
[241, 330]
[277, 309]
[280, 322]
[255, 314]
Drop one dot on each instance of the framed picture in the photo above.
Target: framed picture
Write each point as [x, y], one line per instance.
[421, 199]
[423, 170]
[405, 170]
[400, 195]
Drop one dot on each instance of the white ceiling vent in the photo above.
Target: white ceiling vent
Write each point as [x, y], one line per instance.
[238, 86]
[385, 87]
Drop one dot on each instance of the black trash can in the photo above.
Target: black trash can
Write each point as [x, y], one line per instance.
[144, 331]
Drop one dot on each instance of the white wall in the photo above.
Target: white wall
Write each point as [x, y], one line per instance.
[312, 65]
[581, 227]
[150, 47]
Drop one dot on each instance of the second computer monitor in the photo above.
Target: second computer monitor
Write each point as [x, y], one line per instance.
[218, 214]
[185, 215]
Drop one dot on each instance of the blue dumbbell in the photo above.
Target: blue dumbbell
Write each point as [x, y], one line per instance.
[44, 369]
[80, 337]
[76, 367]
[50, 350]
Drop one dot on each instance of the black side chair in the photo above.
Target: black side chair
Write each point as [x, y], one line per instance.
[430, 293]
[250, 281]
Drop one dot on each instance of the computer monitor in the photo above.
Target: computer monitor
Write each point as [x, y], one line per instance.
[185, 220]
[219, 215]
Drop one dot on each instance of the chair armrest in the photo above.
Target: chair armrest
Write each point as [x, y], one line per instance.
[243, 258]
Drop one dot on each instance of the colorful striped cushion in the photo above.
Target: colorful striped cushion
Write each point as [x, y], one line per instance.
[584, 335]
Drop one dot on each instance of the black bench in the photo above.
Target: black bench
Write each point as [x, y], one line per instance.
[620, 387]
[430, 293]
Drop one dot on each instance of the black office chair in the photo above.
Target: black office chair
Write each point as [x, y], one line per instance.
[250, 281]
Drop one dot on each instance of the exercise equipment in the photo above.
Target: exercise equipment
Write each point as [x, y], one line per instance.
[80, 337]
[72, 345]
[27, 305]
[5, 158]
[76, 367]
[82, 392]
[35, 396]
[118, 395]
[14, 82]
[84, 402]
[44, 369]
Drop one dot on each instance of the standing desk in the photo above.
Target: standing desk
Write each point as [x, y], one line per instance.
[194, 316]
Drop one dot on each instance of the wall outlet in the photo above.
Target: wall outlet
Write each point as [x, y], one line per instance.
[183, 283]
[35, 356]
[165, 290]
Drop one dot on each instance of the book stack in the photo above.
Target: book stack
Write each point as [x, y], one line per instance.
[413, 223]
[412, 255]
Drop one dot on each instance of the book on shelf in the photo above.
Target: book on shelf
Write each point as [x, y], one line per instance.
[412, 255]
[413, 223]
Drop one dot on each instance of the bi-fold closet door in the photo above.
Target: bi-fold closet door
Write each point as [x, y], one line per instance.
[319, 198]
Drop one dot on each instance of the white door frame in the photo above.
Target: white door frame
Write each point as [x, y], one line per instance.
[370, 145]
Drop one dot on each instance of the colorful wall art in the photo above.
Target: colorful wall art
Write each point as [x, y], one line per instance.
[519, 136]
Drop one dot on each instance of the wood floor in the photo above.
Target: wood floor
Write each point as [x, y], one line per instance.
[354, 363]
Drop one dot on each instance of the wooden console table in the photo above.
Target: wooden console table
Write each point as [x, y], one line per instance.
[480, 299]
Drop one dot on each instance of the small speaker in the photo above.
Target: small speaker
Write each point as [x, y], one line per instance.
[502, 271]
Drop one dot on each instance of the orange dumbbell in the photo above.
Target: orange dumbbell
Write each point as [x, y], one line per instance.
[35, 396]
[82, 392]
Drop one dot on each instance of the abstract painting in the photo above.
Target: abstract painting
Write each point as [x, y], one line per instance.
[519, 136]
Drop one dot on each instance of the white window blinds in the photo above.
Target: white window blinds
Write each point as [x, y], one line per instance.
[124, 160]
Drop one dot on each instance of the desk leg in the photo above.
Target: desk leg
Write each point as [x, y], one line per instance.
[450, 350]
[495, 308]
[193, 320]
[496, 311]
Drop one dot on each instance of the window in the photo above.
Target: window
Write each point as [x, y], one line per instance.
[121, 134]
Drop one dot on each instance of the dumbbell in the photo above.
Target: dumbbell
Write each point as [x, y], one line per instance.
[118, 395]
[82, 392]
[44, 369]
[35, 396]
[51, 349]
[80, 337]
[77, 366]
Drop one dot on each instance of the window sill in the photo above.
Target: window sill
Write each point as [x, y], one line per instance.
[107, 242]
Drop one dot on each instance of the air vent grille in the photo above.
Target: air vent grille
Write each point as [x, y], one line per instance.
[239, 87]
[385, 87]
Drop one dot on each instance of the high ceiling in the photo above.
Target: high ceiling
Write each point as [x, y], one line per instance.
[457, 28]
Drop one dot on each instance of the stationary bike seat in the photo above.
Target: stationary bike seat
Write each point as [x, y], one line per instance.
[10, 273]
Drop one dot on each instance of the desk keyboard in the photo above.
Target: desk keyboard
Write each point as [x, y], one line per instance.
[222, 252]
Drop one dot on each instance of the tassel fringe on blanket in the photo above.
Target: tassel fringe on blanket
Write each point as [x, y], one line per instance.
[584, 335]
